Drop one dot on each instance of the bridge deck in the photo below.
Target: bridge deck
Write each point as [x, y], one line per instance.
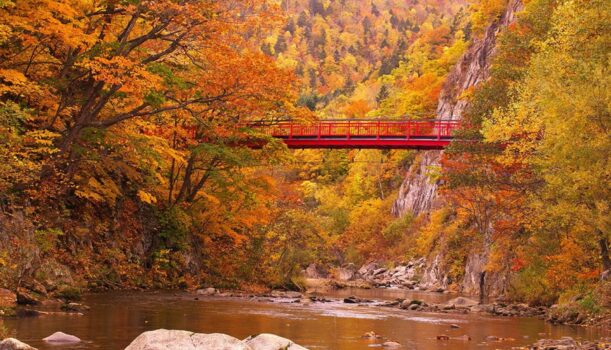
[375, 134]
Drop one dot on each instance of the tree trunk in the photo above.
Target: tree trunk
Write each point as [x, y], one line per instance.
[604, 250]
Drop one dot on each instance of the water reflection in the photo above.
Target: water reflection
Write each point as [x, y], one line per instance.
[115, 319]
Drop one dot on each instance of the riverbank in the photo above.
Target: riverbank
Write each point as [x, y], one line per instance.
[454, 305]
[419, 275]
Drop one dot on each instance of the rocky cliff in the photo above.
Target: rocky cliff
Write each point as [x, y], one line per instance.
[418, 194]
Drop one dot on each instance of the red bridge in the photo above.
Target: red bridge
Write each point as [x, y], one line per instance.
[362, 133]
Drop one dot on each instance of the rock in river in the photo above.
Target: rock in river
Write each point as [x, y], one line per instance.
[354, 300]
[60, 337]
[371, 335]
[14, 344]
[568, 343]
[163, 339]
[462, 302]
[271, 342]
[391, 344]
[206, 291]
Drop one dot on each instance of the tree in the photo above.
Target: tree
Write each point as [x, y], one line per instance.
[92, 66]
[558, 124]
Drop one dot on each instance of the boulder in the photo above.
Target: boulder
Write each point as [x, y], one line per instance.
[397, 271]
[390, 303]
[163, 339]
[271, 342]
[354, 300]
[36, 287]
[206, 291]
[7, 298]
[462, 302]
[60, 337]
[74, 307]
[391, 344]
[285, 294]
[54, 275]
[568, 343]
[405, 304]
[464, 337]
[27, 297]
[14, 344]
[413, 307]
[379, 271]
[346, 273]
[367, 269]
[351, 300]
[315, 271]
[371, 335]
[482, 308]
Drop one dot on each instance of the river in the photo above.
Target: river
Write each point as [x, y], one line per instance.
[115, 319]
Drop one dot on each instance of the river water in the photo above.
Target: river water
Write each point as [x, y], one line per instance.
[115, 319]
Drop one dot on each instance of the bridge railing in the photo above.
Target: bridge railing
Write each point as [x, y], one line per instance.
[371, 129]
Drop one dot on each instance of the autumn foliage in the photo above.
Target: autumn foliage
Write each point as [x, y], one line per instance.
[124, 134]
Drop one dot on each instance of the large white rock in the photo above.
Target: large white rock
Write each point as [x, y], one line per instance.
[14, 344]
[163, 339]
[60, 337]
[271, 342]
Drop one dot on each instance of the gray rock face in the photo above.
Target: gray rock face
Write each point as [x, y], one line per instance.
[315, 271]
[54, 275]
[473, 67]
[271, 342]
[368, 268]
[435, 276]
[495, 283]
[417, 193]
[60, 337]
[163, 339]
[14, 344]
[346, 273]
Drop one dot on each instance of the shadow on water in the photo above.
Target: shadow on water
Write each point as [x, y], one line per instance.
[117, 318]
